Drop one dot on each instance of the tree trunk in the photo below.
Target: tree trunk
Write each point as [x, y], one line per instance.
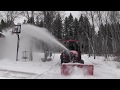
[90, 44]
[92, 17]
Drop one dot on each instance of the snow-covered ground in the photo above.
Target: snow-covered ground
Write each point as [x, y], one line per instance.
[37, 69]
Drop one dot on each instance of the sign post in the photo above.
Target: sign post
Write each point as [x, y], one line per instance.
[17, 30]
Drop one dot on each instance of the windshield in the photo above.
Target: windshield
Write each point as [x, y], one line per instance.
[72, 45]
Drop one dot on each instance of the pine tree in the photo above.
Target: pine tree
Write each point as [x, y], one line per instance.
[37, 23]
[70, 28]
[24, 22]
[31, 20]
[85, 34]
[41, 23]
[82, 33]
[66, 27]
[99, 41]
[57, 27]
[3, 24]
[49, 17]
[81, 20]
[87, 31]
[109, 40]
[76, 28]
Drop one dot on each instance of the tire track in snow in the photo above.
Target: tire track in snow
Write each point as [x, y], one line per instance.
[47, 70]
[23, 75]
[16, 74]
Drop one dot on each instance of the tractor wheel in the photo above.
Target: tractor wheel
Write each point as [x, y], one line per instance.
[61, 59]
[81, 61]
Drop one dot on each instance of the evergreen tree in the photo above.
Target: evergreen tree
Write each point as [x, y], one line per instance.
[87, 30]
[41, 23]
[70, 23]
[24, 22]
[49, 17]
[76, 28]
[37, 21]
[31, 20]
[66, 27]
[3, 24]
[7, 24]
[57, 27]
[109, 39]
[85, 34]
[81, 20]
[99, 41]
[82, 33]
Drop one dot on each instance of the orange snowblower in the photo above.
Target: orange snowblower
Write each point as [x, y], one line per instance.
[72, 58]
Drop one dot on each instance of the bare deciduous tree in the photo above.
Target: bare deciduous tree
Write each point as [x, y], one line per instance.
[10, 15]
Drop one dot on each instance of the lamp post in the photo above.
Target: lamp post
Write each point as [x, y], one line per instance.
[17, 30]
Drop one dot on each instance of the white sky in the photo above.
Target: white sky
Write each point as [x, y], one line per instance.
[74, 13]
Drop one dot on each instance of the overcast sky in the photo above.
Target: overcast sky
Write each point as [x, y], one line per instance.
[74, 13]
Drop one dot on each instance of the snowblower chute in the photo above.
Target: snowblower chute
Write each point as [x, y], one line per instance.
[72, 58]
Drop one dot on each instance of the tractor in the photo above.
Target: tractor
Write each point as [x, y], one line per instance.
[72, 58]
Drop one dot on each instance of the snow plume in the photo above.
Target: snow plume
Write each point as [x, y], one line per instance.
[43, 35]
[29, 36]
[8, 46]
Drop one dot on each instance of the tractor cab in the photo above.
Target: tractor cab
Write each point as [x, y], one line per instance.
[74, 53]
[72, 44]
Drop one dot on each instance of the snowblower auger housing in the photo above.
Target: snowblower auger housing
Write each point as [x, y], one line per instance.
[72, 58]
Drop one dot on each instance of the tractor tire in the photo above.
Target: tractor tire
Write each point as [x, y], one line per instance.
[61, 59]
[81, 61]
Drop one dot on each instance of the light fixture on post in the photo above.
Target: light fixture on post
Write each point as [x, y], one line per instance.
[17, 30]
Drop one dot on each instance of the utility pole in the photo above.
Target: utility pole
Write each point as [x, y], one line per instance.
[32, 22]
